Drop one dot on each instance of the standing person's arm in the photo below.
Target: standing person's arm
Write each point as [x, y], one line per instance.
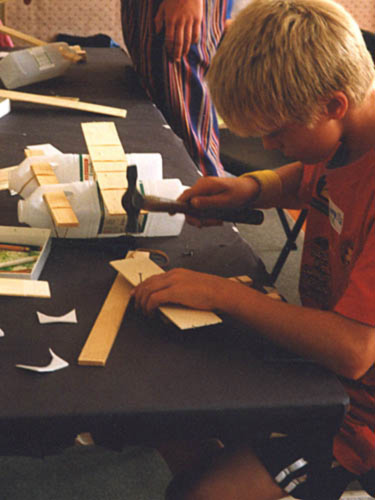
[181, 20]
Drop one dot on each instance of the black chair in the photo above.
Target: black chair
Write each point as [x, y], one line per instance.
[240, 155]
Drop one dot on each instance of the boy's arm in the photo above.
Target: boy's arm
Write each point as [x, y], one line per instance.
[290, 176]
[345, 346]
[244, 191]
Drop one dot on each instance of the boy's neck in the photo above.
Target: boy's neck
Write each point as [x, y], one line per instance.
[359, 129]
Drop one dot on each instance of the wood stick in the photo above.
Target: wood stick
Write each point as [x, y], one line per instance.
[61, 102]
[21, 36]
[99, 343]
[17, 262]
[24, 288]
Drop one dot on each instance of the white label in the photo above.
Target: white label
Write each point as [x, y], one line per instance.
[336, 216]
[42, 59]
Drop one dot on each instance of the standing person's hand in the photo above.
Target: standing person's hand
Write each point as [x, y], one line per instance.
[182, 20]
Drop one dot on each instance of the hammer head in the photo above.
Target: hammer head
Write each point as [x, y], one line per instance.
[132, 201]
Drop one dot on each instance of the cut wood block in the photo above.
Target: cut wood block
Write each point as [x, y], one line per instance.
[112, 166]
[112, 200]
[99, 343]
[108, 153]
[44, 173]
[33, 152]
[112, 180]
[24, 288]
[141, 267]
[61, 102]
[60, 209]
[100, 133]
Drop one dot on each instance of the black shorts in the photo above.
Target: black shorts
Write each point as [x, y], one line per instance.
[306, 470]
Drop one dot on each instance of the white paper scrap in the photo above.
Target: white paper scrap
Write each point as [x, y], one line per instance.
[70, 317]
[2, 334]
[56, 363]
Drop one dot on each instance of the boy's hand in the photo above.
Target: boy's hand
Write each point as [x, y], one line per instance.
[219, 192]
[182, 20]
[181, 286]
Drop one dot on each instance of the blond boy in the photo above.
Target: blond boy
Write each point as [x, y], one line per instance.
[297, 73]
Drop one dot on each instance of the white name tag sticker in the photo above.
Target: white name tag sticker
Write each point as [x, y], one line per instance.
[336, 216]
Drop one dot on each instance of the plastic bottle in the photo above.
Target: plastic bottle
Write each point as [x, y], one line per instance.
[26, 66]
[77, 167]
[86, 202]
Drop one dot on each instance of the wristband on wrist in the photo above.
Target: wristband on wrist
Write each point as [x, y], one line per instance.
[270, 187]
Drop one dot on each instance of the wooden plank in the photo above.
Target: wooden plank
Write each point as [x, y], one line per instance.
[24, 288]
[112, 166]
[33, 152]
[112, 180]
[44, 173]
[141, 267]
[99, 343]
[60, 209]
[14, 95]
[100, 133]
[108, 153]
[112, 200]
[21, 36]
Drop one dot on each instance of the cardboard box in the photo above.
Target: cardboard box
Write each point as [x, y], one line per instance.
[27, 236]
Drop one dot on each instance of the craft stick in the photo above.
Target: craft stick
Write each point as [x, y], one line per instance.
[16, 262]
[24, 288]
[60, 209]
[14, 95]
[99, 343]
[21, 36]
[108, 159]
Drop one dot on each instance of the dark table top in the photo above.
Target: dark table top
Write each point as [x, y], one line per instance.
[158, 382]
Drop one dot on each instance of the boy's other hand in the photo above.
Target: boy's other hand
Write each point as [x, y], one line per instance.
[181, 286]
[182, 20]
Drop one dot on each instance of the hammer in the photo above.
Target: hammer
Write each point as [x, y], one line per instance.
[133, 201]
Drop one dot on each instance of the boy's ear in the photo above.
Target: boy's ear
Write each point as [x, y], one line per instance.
[337, 106]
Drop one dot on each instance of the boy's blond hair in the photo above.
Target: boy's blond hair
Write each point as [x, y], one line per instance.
[281, 59]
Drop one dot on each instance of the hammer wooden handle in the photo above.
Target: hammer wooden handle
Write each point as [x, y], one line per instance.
[244, 215]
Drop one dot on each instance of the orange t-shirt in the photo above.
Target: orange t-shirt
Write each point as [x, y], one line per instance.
[338, 274]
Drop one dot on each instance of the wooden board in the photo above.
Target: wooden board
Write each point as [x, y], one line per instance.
[99, 343]
[44, 173]
[141, 267]
[24, 288]
[58, 204]
[60, 209]
[109, 163]
[61, 102]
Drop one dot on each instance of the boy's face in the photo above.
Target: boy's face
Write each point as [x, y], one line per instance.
[307, 144]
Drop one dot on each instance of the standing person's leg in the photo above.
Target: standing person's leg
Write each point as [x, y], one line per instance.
[178, 88]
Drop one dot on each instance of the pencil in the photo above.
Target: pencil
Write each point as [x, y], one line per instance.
[15, 248]
[17, 262]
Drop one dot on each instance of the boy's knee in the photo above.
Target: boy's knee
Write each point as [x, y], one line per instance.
[191, 490]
